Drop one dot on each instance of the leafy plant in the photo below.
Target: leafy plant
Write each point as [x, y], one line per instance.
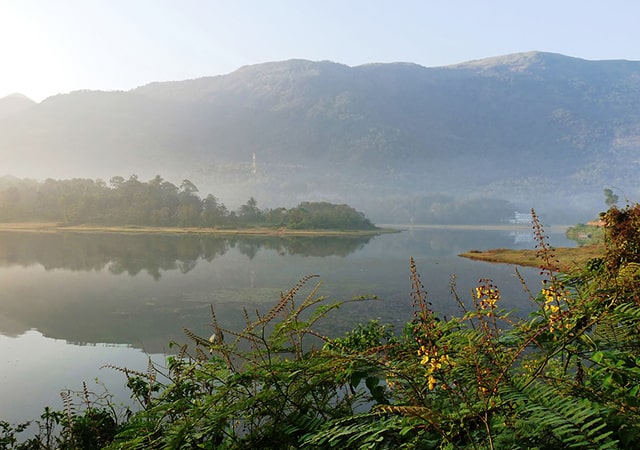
[90, 424]
[265, 386]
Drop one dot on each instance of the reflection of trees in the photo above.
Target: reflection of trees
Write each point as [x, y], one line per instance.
[120, 253]
[248, 247]
[153, 253]
[212, 247]
[326, 245]
[301, 245]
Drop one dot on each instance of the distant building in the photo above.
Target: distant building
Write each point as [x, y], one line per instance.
[521, 218]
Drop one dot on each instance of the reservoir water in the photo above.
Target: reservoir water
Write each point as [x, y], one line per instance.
[71, 303]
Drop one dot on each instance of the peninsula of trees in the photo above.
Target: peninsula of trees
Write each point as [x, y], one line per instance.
[158, 203]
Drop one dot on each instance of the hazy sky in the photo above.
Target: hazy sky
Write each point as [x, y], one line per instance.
[53, 46]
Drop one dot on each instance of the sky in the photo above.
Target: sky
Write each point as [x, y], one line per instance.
[49, 47]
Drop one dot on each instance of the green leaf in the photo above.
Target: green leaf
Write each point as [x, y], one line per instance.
[597, 357]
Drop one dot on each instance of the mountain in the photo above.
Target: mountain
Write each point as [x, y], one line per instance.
[398, 141]
[14, 104]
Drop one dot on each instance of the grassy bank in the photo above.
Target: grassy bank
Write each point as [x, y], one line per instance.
[567, 258]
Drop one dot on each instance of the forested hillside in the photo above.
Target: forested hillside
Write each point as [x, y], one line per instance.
[468, 143]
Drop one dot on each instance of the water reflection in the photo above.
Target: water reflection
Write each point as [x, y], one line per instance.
[153, 254]
[87, 288]
[80, 289]
[520, 237]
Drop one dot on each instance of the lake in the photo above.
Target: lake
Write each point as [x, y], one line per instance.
[72, 302]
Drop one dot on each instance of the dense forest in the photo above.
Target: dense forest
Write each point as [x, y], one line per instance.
[157, 202]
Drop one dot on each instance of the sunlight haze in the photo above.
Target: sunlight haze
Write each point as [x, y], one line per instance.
[50, 47]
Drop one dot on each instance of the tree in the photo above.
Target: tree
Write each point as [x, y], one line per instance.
[610, 198]
[324, 215]
[276, 217]
[188, 187]
[214, 213]
[116, 181]
[249, 212]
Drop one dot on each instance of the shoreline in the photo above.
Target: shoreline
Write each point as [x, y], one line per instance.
[51, 227]
[497, 227]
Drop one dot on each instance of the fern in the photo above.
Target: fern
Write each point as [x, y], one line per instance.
[363, 431]
[574, 422]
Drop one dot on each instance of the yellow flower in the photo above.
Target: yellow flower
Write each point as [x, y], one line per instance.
[487, 294]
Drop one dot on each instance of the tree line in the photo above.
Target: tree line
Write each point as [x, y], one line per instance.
[157, 202]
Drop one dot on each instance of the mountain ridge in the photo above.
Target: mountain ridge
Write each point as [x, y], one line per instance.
[528, 129]
[15, 103]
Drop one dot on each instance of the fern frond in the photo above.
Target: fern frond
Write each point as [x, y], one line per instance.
[410, 411]
[620, 328]
[364, 431]
[302, 423]
[575, 422]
